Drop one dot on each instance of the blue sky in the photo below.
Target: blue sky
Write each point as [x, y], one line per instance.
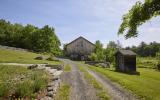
[92, 19]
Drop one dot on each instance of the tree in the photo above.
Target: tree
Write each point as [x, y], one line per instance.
[110, 51]
[139, 14]
[146, 50]
[29, 37]
[99, 51]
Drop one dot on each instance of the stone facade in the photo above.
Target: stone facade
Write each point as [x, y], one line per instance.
[80, 48]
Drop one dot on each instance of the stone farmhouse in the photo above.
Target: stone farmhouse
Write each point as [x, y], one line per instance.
[79, 49]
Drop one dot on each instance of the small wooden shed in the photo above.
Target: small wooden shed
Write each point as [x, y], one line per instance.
[125, 61]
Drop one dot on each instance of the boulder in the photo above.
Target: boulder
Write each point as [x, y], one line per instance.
[32, 66]
[39, 58]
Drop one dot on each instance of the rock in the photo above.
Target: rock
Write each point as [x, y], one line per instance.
[50, 94]
[52, 71]
[46, 98]
[58, 67]
[52, 58]
[39, 58]
[50, 84]
[55, 78]
[49, 89]
[57, 73]
[32, 66]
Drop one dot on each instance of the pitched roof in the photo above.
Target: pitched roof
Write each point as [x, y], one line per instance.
[79, 38]
[127, 52]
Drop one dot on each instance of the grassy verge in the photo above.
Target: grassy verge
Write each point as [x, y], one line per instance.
[12, 56]
[19, 82]
[63, 92]
[145, 86]
[146, 62]
[100, 93]
[67, 68]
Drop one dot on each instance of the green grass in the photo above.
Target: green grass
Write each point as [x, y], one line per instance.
[21, 82]
[63, 92]
[100, 93]
[145, 85]
[13, 56]
[67, 68]
[146, 62]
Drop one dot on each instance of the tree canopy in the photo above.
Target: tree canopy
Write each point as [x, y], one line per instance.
[139, 14]
[146, 50]
[29, 37]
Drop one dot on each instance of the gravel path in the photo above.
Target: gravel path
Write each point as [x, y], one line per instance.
[80, 89]
[115, 91]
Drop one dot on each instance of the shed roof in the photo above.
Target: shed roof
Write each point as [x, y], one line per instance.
[127, 52]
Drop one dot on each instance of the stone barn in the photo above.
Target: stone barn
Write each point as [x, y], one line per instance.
[125, 61]
[79, 49]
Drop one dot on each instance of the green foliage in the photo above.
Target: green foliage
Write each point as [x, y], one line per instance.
[145, 86]
[138, 15]
[93, 57]
[29, 37]
[146, 50]
[110, 54]
[110, 51]
[98, 54]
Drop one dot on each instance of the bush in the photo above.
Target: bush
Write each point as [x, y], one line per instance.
[93, 57]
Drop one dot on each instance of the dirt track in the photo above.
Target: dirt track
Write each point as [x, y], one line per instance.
[80, 89]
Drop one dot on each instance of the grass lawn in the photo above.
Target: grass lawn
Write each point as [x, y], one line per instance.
[12, 56]
[19, 82]
[147, 62]
[145, 86]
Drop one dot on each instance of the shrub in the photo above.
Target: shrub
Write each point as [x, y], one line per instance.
[93, 57]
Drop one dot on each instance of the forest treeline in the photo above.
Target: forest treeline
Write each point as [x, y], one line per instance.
[29, 37]
[145, 50]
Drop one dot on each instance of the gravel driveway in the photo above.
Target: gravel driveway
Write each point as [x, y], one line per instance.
[80, 89]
